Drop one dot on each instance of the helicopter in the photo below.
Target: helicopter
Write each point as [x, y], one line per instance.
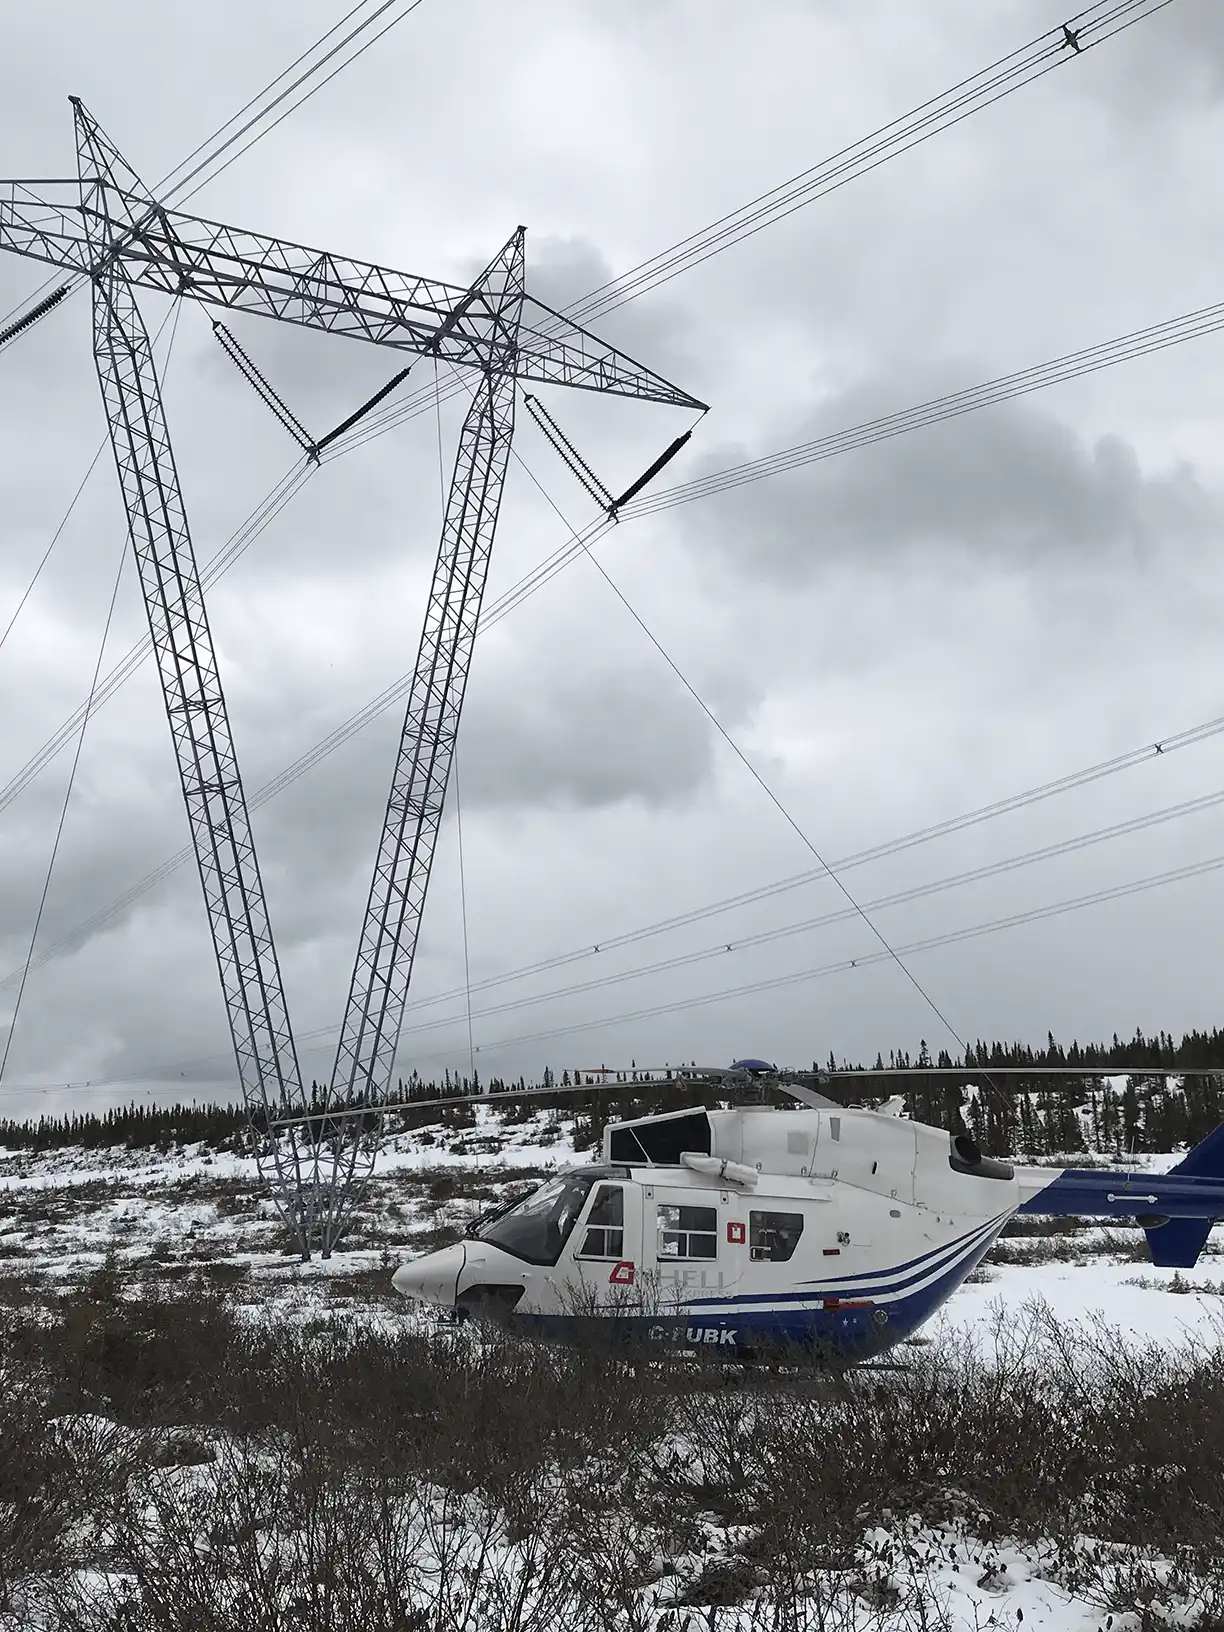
[821, 1226]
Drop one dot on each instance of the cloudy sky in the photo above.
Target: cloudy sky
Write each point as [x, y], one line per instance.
[889, 639]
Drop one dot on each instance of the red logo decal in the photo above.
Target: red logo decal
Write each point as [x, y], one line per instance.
[622, 1275]
[735, 1234]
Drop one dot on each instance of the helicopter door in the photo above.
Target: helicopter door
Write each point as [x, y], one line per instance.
[696, 1239]
[607, 1247]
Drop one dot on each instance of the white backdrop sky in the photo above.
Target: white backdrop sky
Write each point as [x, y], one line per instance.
[891, 637]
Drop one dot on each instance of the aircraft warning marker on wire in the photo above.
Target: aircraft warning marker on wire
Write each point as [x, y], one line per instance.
[104, 224]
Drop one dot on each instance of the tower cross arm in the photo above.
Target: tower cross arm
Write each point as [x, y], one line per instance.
[273, 277]
[180, 254]
[554, 350]
[34, 222]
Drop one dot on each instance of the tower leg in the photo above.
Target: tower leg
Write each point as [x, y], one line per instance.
[203, 744]
[374, 1012]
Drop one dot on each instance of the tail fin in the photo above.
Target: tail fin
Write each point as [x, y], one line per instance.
[1177, 1243]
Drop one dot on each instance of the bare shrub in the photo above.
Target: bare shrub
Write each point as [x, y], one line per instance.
[35, 1496]
[59, 1479]
[1039, 1249]
[269, 1539]
[1180, 1285]
[349, 1473]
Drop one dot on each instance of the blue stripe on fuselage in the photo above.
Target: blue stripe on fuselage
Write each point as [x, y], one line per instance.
[939, 1259]
[845, 1335]
[923, 1257]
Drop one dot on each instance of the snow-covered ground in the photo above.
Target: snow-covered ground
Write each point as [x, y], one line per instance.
[191, 1216]
[158, 1216]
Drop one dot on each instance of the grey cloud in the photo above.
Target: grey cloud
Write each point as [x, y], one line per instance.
[655, 329]
[1006, 486]
[532, 742]
[534, 739]
[131, 1001]
[110, 839]
[1167, 67]
[593, 740]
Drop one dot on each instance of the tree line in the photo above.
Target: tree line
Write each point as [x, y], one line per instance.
[1029, 1116]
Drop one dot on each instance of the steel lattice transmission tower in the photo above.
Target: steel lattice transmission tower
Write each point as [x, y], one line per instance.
[105, 224]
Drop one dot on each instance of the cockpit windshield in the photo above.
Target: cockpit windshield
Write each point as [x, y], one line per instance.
[538, 1227]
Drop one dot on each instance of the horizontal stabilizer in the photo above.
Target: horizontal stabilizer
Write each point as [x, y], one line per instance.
[1177, 1244]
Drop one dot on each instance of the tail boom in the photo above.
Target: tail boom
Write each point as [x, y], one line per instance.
[1176, 1209]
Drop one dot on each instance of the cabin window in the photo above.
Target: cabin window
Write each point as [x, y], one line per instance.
[605, 1229]
[773, 1237]
[661, 1140]
[688, 1232]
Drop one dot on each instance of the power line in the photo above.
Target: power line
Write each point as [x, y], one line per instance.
[238, 542]
[740, 942]
[1123, 349]
[843, 965]
[824, 870]
[760, 781]
[1009, 73]
[1073, 365]
[1133, 9]
[59, 831]
[999, 79]
[175, 187]
[237, 135]
[1192, 735]
[743, 943]
[1070, 366]
[219, 564]
[855, 908]
[55, 538]
[76, 760]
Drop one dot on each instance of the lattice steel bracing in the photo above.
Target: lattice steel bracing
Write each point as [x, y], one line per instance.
[107, 226]
[392, 923]
[191, 685]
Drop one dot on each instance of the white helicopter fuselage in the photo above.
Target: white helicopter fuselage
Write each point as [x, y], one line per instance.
[835, 1229]
[739, 1229]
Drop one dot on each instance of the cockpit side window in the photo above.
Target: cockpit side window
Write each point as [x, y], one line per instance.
[605, 1225]
[539, 1226]
[688, 1232]
[773, 1237]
